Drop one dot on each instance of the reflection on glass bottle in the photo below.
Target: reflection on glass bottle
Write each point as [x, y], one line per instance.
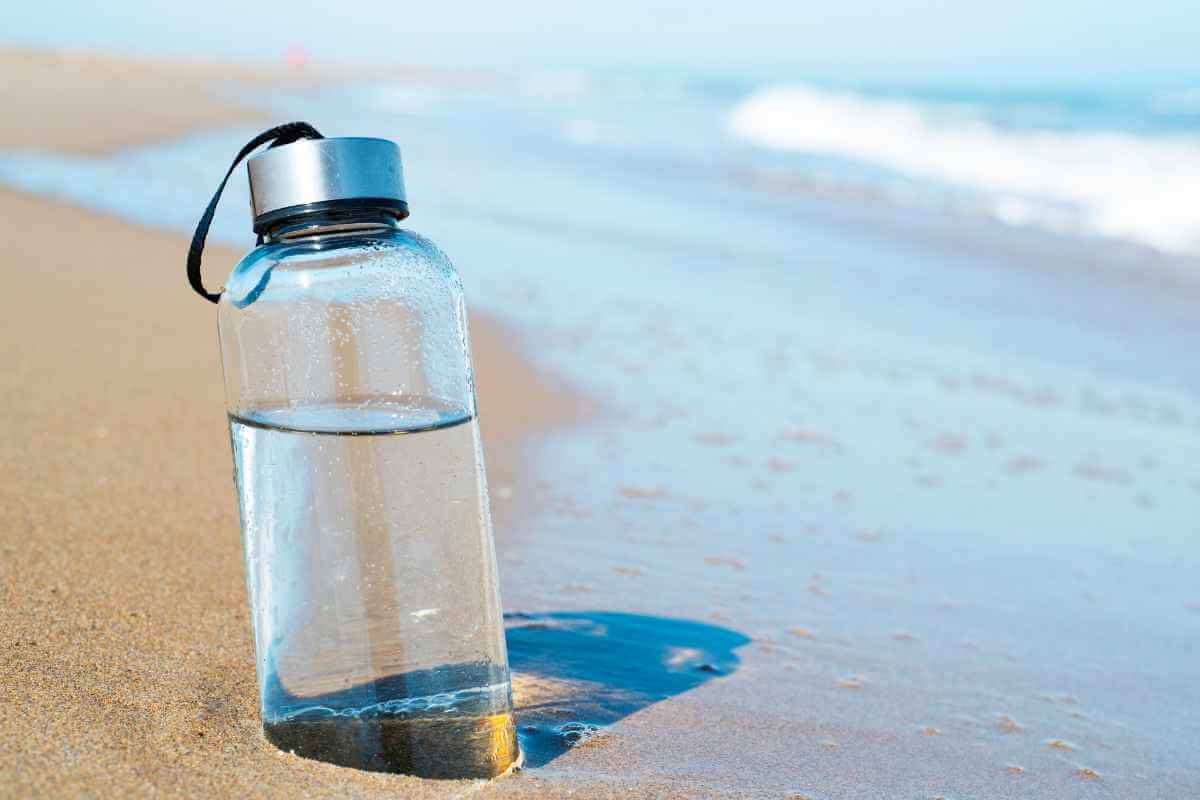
[357, 457]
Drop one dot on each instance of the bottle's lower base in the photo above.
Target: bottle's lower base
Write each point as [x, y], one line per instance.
[450, 746]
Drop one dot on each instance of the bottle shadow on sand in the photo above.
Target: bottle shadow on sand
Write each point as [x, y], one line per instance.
[576, 673]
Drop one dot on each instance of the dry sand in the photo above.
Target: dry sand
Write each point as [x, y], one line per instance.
[126, 662]
[92, 103]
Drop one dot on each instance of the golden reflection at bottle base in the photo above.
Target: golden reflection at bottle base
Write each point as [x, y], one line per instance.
[453, 746]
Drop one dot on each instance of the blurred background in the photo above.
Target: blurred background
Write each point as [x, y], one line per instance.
[876, 324]
[1075, 116]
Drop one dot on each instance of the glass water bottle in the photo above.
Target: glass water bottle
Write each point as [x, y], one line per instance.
[364, 508]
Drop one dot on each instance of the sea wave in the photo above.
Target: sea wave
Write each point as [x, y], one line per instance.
[1141, 188]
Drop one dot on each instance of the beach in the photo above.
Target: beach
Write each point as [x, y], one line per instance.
[128, 655]
[794, 497]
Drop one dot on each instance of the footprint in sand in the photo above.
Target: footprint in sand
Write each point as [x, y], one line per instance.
[1006, 724]
[1066, 699]
[724, 561]
[951, 444]
[1095, 472]
[713, 438]
[1062, 745]
[805, 436]
[1023, 465]
[642, 492]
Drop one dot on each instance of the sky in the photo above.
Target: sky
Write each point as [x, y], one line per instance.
[1019, 41]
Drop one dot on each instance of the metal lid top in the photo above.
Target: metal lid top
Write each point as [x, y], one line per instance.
[288, 179]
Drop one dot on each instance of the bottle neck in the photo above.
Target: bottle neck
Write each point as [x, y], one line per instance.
[331, 222]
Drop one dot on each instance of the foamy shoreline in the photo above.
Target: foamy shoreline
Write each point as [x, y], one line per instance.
[1108, 183]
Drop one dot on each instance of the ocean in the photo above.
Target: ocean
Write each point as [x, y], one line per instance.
[1120, 164]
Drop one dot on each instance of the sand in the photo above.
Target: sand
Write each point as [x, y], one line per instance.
[94, 103]
[126, 660]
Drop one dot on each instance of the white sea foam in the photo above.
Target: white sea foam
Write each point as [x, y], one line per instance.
[1139, 188]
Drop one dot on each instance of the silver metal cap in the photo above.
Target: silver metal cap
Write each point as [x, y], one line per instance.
[287, 179]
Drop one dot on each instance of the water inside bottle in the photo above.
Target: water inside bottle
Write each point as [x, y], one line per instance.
[468, 733]
[373, 585]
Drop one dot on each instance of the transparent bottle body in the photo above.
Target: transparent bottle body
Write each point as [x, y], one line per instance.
[365, 522]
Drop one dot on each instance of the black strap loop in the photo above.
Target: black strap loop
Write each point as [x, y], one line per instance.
[279, 135]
